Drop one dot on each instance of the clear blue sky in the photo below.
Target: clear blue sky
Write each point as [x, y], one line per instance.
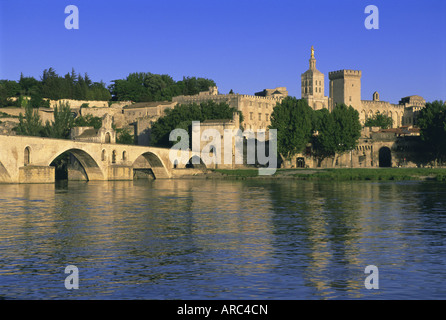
[243, 45]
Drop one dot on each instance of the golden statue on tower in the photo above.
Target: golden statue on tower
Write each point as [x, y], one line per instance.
[312, 52]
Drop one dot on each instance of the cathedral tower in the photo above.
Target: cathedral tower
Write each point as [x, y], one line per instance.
[312, 84]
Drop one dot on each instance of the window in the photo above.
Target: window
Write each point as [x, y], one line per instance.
[124, 155]
[250, 116]
[267, 117]
[260, 116]
[103, 155]
[27, 156]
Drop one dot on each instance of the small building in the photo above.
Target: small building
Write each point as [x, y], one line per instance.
[106, 134]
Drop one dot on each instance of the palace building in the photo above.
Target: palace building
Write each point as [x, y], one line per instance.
[345, 87]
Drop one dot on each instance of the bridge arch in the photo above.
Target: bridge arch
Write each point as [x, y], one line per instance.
[4, 174]
[88, 163]
[150, 160]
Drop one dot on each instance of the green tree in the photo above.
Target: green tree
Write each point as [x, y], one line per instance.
[379, 120]
[338, 132]
[37, 101]
[30, 124]
[124, 136]
[293, 119]
[432, 123]
[29, 85]
[63, 122]
[88, 121]
[142, 87]
[182, 116]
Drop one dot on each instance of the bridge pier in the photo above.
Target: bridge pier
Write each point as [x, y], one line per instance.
[120, 172]
[37, 174]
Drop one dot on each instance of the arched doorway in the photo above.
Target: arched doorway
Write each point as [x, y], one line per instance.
[385, 157]
[107, 138]
[300, 162]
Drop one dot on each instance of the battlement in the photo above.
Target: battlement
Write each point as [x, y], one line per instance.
[199, 98]
[340, 74]
[380, 104]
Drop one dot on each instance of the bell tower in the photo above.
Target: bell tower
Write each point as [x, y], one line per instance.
[312, 85]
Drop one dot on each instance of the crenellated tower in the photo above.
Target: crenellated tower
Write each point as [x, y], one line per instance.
[345, 87]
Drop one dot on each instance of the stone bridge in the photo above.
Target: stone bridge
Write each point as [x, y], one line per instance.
[26, 159]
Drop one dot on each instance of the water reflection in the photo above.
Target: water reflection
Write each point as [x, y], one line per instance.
[204, 239]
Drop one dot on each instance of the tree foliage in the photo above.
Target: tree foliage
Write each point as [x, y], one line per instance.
[183, 115]
[88, 121]
[60, 127]
[432, 123]
[30, 124]
[379, 120]
[338, 131]
[53, 87]
[124, 136]
[144, 87]
[294, 121]
[72, 86]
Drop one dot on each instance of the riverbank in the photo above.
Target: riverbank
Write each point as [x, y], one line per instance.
[375, 174]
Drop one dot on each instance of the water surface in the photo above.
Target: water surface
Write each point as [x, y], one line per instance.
[206, 239]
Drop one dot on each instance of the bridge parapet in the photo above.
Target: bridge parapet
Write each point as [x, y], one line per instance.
[26, 159]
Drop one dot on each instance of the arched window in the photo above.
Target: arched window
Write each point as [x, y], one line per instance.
[114, 156]
[124, 155]
[103, 155]
[27, 156]
[107, 138]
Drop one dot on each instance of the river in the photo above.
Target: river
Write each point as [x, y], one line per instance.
[223, 239]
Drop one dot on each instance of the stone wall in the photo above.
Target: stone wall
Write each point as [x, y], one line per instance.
[256, 110]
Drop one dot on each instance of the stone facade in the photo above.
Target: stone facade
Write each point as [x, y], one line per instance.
[216, 149]
[106, 134]
[345, 87]
[256, 109]
[152, 110]
[376, 148]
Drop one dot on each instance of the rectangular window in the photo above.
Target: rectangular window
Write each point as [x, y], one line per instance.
[250, 116]
[260, 116]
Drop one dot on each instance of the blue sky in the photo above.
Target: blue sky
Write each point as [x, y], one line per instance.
[243, 45]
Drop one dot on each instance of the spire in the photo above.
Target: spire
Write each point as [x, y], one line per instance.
[312, 59]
